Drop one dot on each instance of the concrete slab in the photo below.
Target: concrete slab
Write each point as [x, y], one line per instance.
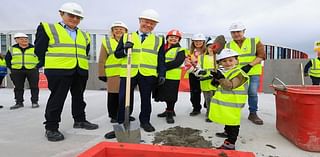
[22, 131]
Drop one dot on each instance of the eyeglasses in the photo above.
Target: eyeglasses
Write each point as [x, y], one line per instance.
[74, 16]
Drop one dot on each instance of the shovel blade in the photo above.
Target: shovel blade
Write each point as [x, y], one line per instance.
[129, 135]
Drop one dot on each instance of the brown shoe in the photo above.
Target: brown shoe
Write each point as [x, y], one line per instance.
[253, 117]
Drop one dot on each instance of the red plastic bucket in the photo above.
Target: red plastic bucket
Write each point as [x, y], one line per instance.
[114, 149]
[298, 115]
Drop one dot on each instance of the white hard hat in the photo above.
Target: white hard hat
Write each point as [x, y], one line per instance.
[317, 45]
[72, 8]
[225, 53]
[238, 26]
[150, 14]
[209, 42]
[20, 35]
[119, 24]
[198, 36]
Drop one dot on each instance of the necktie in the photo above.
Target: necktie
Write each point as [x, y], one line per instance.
[143, 36]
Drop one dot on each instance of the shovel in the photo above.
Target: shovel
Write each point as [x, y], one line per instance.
[302, 75]
[126, 132]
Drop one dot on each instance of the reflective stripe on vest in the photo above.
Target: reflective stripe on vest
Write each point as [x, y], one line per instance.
[63, 51]
[144, 57]
[206, 63]
[226, 105]
[247, 53]
[315, 69]
[112, 64]
[27, 59]
[173, 74]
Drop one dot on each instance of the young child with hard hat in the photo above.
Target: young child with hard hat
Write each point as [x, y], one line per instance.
[229, 98]
[314, 66]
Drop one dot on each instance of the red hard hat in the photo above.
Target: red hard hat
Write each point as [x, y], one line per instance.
[175, 32]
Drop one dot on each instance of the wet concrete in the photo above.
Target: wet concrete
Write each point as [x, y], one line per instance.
[179, 136]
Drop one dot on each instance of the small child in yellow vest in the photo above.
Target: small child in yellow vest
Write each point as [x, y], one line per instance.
[229, 98]
[314, 64]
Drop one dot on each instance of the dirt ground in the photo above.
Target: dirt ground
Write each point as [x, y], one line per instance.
[179, 136]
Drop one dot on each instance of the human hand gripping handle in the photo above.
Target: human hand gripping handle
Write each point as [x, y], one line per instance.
[161, 80]
[218, 75]
[128, 45]
[103, 78]
[246, 68]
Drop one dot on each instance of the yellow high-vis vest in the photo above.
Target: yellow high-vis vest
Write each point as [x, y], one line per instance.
[226, 105]
[206, 63]
[315, 69]
[247, 53]
[27, 59]
[64, 52]
[3, 63]
[144, 55]
[112, 64]
[173, 74]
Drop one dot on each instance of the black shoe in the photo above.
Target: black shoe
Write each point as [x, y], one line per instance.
[169, 117]
[85, 125]
[54, 135]
[35, 105]
[147, 127]
[113, 120]
[164, 114]
[17, 105]
[132, 118]
[222, 134]
[208, 120]
[1, 106]
[194, 113]
[110, 135]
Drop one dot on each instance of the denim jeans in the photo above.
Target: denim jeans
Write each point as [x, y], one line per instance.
[253, 93]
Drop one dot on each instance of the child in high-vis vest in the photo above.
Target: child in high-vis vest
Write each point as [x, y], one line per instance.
[229, 98]
[314, 66]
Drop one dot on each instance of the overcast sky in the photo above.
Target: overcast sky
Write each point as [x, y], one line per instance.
[290, 23]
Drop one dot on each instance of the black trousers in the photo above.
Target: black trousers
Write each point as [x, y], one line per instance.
[146, 85]
[113, 105]
[18, 78]
[315, 80]
[1, 79]
[59, 87]
[195, 92]
[232, 132]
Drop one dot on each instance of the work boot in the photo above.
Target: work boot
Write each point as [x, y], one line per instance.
[169, 117]
[85, 125]
[110, 135]
[147, 127]
[54, 135]
[35, 105]
[17, 105]
[194, 113]
[164, 114]
[253, 117]
[227, 146]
